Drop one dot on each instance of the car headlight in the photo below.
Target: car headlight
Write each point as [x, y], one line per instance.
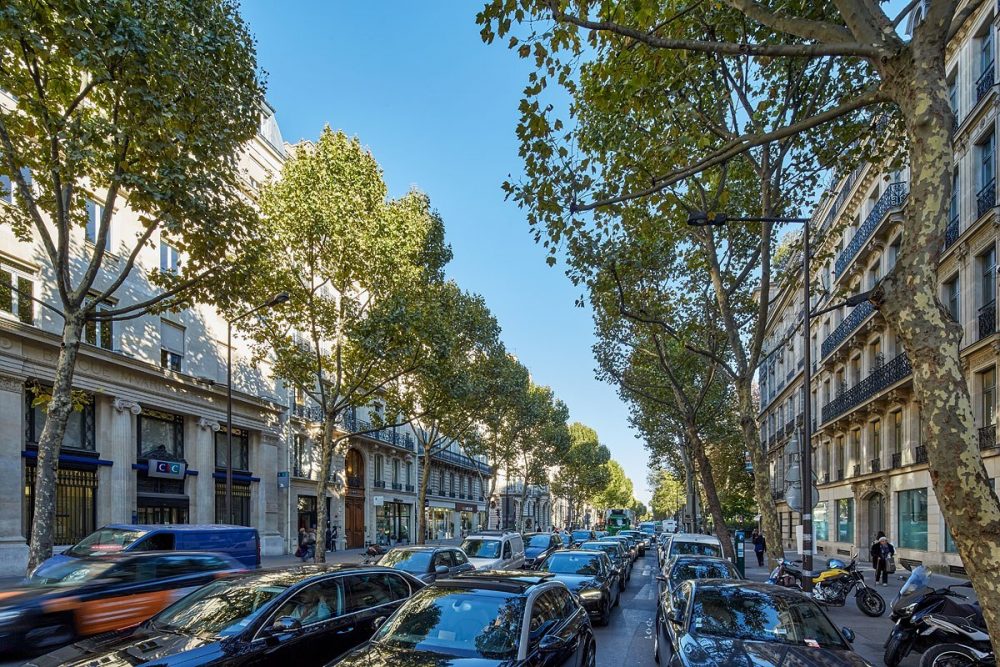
[8, 615]
[591, 595]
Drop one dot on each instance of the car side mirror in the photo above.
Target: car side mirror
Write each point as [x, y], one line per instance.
[441, 569]
[660, 578]
[284, 625]
[848, 634]
[379, 621]
[550, 643]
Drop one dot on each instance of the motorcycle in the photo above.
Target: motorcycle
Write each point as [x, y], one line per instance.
[832, 586]
[967, 645]
[957, 655]
[914, 602]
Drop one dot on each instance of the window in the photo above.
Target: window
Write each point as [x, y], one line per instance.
[171, 345]
[953, 296]
[953, 93]
[875, 354]
[365, 591]
[409, 472]
[872, 275]
[379, 468]
[169, 258]
[76, 503]
[79, 429]
[395, 471]
[240, 512]
[314, 604]
[953, 205]
[877, 440]
[988, 266]
[988, 382]
[6, 192]
[845, 520]
[840, 457]
[912, 527]
[100, 332]
[451, 483]
[241, 448]
[856, 445]
[95, 212]
[897, 432]
[820, 522]
[300, 457]
[986, 52]
[986, 168]
[16, 292]
[160, 435]
[826, 460]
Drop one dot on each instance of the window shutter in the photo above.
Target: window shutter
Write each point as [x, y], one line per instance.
[172, 337]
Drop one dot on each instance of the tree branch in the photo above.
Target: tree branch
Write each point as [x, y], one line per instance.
[142, 306]
[129, 263]
[821, 31]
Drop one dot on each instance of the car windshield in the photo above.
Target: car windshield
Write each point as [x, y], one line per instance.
[417, 562]
[752, 615]
[71, 572]
[694, 549]
[570, 563]
[610, 548]
[105, 541]
[219, 609]
[539, 541]
[456, 622]
[581, 534]
[478, 548]
[700, 569]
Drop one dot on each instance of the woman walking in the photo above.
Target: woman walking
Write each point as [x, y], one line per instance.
[759, 547]
[882, 552]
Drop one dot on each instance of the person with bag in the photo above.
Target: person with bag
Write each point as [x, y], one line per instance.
[309, 547]
[883, 558]
[300, 549]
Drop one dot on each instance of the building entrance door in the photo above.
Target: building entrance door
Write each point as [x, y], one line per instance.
[354, 522]
[876, 515]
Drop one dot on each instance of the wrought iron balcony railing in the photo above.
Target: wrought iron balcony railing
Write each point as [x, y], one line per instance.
[884, 376]
[840, 474]
[409, 487]
[897, 459]
[396, 486]
[920, 454]
[988, 437]
[379, 483]
[985, 82]
[389, 436]
[988, 319]
[778, 494]
[951, 232]
[857, 469]
[843, 195]
[845, 328]
[876, 465]
[355, 482]
[893, 197]
[310, 412]
[986, 198]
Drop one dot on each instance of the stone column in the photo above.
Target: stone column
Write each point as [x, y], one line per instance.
[200, 456]
[13, 547]
[120, 448]
[266, 493]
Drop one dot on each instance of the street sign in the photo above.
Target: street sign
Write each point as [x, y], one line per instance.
[283, 479]
[379, 501]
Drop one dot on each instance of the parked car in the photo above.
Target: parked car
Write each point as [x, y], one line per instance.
[619, 559]
[239, 542]
[590, 575]
[641, 539]
[581, 536]
[721, 622]
[88, 596]
[628, 545]
[693, 544]
[299, 616]
[495, 550]
[687, 568]
[427, 563]
[484, 618]
[538, 546]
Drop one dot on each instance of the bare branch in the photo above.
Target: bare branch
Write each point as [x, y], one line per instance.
[129, 263]
[142, 306]
[821, 31]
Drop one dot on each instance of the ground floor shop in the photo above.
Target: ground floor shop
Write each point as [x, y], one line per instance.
[450, 520]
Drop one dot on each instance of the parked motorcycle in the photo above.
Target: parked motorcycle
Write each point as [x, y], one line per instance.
[966, 645]
[957, 655]
[832, 586]
[915, 601]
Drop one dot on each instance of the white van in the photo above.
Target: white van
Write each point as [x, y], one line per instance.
[692, 544]
[495, 550]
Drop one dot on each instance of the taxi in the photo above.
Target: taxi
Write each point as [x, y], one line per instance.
[89, 596]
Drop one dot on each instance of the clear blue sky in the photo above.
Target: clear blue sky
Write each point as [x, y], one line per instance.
[438, 109]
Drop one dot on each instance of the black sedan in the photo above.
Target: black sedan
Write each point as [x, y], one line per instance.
[428, 563]
[590, 575]
[619, 558]
[538, 546]
[582, 535]
[686, 568]
[628, 544]
[483, 619]
[640, 539]
[722, 622]
[299, 616]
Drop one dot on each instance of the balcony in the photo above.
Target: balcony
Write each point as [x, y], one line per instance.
[876, 465]
[309, 412]
[951, 232]
[920, 455]
[457, 459]
[355, 482]
[845, 328]
[396, 486]
[389, 436]
[988, 437]
[840, 474]
[988, 320]
[984, 83]
[986, 198]
[789, 427]
[778, 494]
[451, 494]
[379, 484]
[842, 196]
[857, 470]
[897, 459]
[879, 379]
[409, 487]
[893, 197]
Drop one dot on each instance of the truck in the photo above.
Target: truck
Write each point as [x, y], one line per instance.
[650, 527]
[616, 520]
[670, 525]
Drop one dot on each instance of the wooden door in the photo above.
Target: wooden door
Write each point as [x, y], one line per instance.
[354, 523]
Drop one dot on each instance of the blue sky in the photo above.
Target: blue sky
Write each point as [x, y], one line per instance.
[438, 109]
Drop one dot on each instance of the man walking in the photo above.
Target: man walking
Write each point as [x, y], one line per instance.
[759, 546]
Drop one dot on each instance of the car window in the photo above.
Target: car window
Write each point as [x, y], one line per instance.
[156, 542]
[134, 570]
[315, 603]
[539, 540]
[366, 590]
[444, 558]
[222, 608]
[679, 601]
[176, 566]
[545, 615]
[685, 570]
[694, 549]
[459, 557]
[564, 602]
[105, 540]
[506, 550]
[481, 548]
[397, 586]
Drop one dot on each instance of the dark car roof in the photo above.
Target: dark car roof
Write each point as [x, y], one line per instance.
[289, 576]
[584, 545]
[682, 558]
[755, 586]
[508, 581]
[115, 556]
[183, 527]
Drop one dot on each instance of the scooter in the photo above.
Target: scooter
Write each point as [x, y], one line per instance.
[915, 601]
[959, 643]
[957, 655]
[832, 586]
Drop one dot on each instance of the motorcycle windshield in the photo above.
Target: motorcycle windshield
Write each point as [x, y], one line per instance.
[918, 580]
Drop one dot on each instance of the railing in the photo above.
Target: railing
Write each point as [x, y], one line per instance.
[460, 460]
[409, 487]
[396, 486]
[844, 329]
[840, 474]
[310, 412]
[843, 195]
[789, 427]
[451, 494]
[825, 479]
[379, 484]
[986, 198]
[881, 378]
[984, 83]
[988, 319]
[876, 465]
[988, 437]
[951, 232]
[778, 494]
[387, 435]
[897, 459]
[789, 376]
[920, 454]
[857, 470]
[893, 197]
[354, 482]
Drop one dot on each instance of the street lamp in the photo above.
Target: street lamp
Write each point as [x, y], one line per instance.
[279, 298]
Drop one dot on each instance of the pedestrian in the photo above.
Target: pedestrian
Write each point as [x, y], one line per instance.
[309, 550]
[882, 553]
[759, 547]
[300, 549]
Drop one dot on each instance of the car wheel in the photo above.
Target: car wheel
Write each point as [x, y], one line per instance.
[656, 643]
[605, 617]
[590, 654]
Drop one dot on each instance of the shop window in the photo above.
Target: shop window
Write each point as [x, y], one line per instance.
[79, 428]
[820, 522]
[241, 503]
[241, 449]
[912, 519]
[76, 504]
[845, 520]
[160, 434]
[17, 290]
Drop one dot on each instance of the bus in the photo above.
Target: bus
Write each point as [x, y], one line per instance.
[650, 527]
[616, 520]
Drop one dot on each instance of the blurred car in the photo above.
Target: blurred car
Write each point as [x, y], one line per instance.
[687, 568]
[590, 575]
[619, 559]
[627, 544]
[661, 545]
[692, 544]
[427, 563]
[721, 622]
[88, 596]
[299, 616]
[642, 540]
[538, 546]
[481, 619]
[580, 536]
[600, 533]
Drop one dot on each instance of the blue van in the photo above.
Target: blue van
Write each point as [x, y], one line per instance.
[239, 542]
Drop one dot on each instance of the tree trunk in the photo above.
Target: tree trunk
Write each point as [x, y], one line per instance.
[908, 299]
[49, 442]
[425, 477]
[519, 526]
[704, 468]
[770, 527]
[325, 463]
